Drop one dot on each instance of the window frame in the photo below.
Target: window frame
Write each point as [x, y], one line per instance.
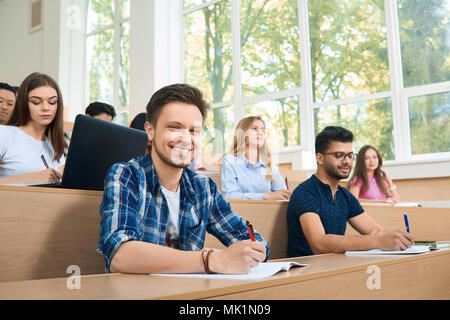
[398, 93]
[115, 26]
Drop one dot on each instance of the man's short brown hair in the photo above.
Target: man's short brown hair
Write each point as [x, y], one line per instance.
[179, 92]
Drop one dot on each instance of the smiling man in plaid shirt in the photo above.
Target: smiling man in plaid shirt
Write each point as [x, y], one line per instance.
[155, 212]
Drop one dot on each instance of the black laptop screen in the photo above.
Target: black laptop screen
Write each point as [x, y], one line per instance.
[94, 147]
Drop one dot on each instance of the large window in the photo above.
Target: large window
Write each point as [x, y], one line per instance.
[349, 60]
[107, 54]
[380, 68]
[247, 61]
[425, 48]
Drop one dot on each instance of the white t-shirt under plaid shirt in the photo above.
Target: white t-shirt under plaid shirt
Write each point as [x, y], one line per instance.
[173, 204]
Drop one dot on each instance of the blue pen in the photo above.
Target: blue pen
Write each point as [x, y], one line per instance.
[406, 222]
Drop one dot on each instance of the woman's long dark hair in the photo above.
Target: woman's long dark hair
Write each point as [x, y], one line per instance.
[361, 171]
[21, 113]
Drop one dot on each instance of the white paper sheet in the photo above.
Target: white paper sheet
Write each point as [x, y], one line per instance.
[263, 270]
[410, 250]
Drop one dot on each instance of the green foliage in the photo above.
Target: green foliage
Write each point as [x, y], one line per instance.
[349, 58]
[101, 52]
[348, 48]
[270, 46]
[370, 122]
[424, 39]
[425, 45]
[430, 123]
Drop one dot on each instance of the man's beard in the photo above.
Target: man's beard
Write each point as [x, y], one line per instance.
[334, 173]
[168, 161]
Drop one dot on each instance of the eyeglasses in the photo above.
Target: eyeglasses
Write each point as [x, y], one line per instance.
[342, 155]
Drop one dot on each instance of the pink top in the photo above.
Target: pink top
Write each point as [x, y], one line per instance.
[373, 191]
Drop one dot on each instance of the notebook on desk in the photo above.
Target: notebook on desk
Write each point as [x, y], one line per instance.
[263, 270]
[415, 249]
[95, 146]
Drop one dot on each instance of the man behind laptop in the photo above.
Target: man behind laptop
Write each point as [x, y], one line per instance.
[319, 208]
[155, 213]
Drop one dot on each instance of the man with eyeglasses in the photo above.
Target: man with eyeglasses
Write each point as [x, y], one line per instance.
[319, 208]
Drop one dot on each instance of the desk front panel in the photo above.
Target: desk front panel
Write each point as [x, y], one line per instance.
[424, 223]
[331, 276]
[424, 278]
[46, 230]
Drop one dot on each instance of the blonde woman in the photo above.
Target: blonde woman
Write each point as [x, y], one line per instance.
[247, 171]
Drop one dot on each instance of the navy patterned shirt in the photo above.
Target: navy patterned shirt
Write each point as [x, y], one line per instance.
[134, 208]
[315, 196]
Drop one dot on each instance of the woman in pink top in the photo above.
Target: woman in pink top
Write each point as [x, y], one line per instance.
[369, 181]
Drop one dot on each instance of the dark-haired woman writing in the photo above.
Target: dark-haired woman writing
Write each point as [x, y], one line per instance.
[32, 143]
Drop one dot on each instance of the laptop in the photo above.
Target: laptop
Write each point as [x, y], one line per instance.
[94, 147]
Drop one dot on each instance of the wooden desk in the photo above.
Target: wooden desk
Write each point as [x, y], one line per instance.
[421, 189]
[424, 223]
[330, 276]
[269, 220]
[45, 230]
[425, 189]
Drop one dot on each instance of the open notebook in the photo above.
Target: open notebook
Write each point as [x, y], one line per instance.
[416, 249]
[263, 270]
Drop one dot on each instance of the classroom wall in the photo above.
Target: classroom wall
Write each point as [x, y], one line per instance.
[155, 38]
[22, 52]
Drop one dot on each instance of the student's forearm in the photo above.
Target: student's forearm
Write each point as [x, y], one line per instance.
[144, 257]
[43, 176]
[18, 179]
[332, 243]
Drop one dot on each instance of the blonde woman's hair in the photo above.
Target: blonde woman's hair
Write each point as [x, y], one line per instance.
[240, 144]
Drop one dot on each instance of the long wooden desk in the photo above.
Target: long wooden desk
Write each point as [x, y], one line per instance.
[268, 218]
[330, 276]
[45, 230]
[422, 189]
[424, 223]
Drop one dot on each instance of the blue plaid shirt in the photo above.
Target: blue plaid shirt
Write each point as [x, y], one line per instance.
[134, 208]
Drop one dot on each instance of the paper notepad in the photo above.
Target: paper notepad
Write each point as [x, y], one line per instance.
[263, 270]
[411, 250]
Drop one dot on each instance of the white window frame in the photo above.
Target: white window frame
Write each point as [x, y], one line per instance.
[398, 94]
[115, 26]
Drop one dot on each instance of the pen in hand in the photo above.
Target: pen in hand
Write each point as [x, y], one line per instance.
[287, 186]
[406, 222]
[44, 161]
[251, 231]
